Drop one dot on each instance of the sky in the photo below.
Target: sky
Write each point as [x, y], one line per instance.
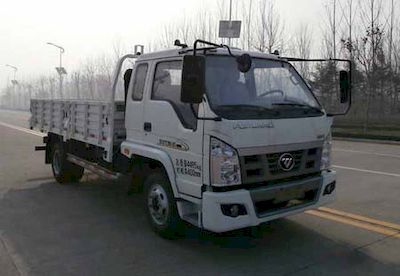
[87, 28]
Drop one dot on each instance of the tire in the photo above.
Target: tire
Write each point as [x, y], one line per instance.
[76, 172]
[63, 170]
[161, 207]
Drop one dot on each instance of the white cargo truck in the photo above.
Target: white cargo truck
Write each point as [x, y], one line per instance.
[218, 137]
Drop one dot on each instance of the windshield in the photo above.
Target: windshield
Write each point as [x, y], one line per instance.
[270, 89]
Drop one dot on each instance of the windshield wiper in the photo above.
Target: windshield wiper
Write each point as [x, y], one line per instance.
[244, 106]
[316, 109]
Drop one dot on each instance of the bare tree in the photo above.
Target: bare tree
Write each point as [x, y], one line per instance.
[76, 83]
[302, 48]
[168, 36]
[184, 31]
[43, 92]
[270, 27]
[52, 86]
[247, 24]
[369, 48]
[203, 27]
[118, 48]
[89, 73]
[348, 12]
[104, 71]
[334, 12]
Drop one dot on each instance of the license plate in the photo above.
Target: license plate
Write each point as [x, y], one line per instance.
[288, 194]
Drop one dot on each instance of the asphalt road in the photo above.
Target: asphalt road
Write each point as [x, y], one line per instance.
[95, 227]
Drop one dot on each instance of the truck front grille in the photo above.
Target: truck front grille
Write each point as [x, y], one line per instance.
[265, 167]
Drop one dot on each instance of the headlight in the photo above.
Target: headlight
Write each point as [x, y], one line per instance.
[326, 153]
[224, 162]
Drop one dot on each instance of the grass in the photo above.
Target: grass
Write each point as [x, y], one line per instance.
[370, 128]
[372, 133]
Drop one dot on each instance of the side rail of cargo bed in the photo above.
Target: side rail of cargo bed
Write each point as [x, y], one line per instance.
[85, 121]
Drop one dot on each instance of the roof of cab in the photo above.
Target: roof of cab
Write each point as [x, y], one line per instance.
[180, 52]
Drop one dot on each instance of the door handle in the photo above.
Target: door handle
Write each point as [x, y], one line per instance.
[147, 127]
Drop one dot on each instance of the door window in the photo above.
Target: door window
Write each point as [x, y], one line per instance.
[139, 82]
[167, 87]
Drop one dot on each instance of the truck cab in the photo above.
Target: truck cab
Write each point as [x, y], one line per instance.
[254, 147]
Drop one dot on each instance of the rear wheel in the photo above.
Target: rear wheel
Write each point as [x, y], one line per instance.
[161, 206]
[63, 170]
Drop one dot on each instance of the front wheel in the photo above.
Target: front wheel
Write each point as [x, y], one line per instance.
[161, 206]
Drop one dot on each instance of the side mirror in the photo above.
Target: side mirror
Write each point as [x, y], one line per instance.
[344, 86]
[244, 63]
[193, 79]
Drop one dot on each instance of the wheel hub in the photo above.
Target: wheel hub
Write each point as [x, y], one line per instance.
[56, 162]
[158, 204]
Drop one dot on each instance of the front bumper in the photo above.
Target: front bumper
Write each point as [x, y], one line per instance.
[215, 220]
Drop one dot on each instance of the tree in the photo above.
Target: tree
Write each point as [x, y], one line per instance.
[302, 48]
[269, 29]
[76, 83]
[247, 24]
[369, 51]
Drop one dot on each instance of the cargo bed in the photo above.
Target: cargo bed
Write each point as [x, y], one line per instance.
[93, 122]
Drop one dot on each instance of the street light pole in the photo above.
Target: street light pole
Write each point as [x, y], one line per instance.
[60, 70]
[14, 82]
[230, 20]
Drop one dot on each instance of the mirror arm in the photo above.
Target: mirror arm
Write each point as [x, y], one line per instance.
[330, 59]
[350, 86]
[229, 49]
[211, 44]
[204, 42]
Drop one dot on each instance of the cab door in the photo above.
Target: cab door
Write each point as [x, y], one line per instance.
[135, 103]
[172, 126]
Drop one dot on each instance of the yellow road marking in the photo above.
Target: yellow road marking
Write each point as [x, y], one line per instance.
[356, 223]
[361, 218]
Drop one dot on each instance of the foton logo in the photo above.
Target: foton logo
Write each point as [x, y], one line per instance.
[286, 162]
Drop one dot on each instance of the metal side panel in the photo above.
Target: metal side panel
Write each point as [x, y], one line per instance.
[86, 121]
